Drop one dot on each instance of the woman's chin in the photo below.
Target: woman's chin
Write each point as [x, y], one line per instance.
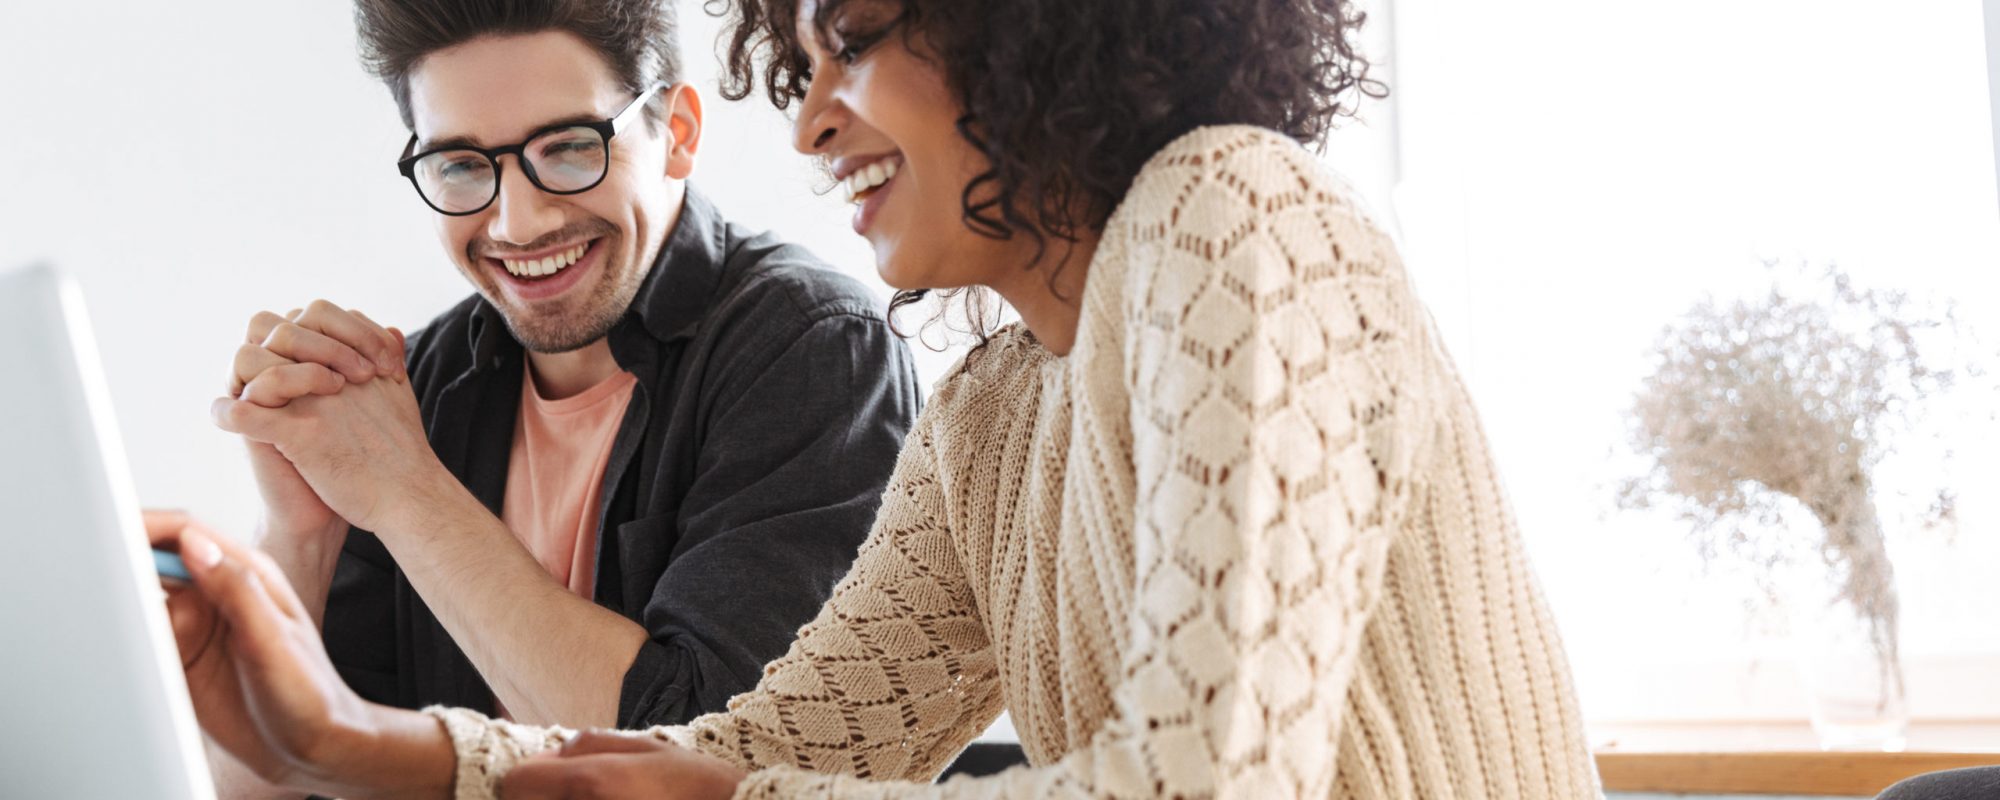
[906, 271]
[897, 273]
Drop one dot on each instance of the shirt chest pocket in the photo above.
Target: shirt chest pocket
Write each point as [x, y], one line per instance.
[642, 548]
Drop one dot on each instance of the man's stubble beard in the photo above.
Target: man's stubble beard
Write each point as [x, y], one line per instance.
[566, 330]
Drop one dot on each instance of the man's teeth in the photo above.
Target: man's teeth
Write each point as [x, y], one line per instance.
[546, 266]
[869, 177]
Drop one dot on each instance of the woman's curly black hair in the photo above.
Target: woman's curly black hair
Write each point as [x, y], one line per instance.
[1067, 99]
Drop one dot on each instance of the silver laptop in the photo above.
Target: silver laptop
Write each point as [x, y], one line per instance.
[92, 700]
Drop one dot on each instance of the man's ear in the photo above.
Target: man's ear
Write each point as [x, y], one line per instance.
[683, 130]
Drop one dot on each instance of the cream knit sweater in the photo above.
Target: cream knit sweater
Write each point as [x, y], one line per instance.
[1245, 540]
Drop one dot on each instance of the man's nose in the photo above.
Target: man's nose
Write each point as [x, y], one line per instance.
[522, 212]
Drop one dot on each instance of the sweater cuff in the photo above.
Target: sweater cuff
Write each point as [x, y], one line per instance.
[486, 748]
[774, 783]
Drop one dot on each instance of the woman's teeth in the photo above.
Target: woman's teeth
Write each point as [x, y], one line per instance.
[546, 266]
[866, 179]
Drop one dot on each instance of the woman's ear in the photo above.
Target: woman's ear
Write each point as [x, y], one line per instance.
[683, 130]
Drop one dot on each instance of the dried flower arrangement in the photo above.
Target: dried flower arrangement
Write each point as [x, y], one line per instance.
[1784, 401]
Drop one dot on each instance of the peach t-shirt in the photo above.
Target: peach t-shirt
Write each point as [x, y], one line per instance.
[556, 471]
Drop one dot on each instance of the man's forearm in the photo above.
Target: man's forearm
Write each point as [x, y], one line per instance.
[308, 559]
[550, 656]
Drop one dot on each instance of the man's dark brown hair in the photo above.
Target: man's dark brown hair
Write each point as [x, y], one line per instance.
[638, 38]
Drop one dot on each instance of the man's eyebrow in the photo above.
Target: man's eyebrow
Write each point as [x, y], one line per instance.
[425, 146]
[445, 143]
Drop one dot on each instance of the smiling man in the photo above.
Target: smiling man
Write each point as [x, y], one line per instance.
[608, 487]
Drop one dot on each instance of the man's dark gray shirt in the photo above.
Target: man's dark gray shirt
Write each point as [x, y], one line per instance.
[771, 402]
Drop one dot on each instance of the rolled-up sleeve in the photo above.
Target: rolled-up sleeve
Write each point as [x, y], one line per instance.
[799, 434]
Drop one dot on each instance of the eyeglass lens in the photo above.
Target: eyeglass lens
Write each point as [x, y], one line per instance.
[561, 161]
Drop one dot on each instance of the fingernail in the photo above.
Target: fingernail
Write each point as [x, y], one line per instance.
[197, 549]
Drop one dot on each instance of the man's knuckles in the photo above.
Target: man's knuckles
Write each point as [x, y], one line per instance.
[260, 326]
[320, 308]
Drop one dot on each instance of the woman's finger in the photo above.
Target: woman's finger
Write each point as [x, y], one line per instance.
[230, 582]
[280, 385]
[163, 527]
[596, 742]
[554, 779]
[196, 629]
[192, 617]
[277, 588]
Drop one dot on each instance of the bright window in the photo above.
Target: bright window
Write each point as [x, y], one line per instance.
[1574, 175]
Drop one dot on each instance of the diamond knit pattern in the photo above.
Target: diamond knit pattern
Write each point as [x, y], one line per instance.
[1245, 540]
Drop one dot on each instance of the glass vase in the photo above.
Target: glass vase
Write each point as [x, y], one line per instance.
[1853, 676]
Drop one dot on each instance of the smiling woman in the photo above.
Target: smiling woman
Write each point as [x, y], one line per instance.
[1034, 127]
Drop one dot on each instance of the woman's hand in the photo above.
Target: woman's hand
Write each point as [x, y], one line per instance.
[611, 766]
[264, 689]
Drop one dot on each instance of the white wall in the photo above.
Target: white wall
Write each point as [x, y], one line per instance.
[1993, 76]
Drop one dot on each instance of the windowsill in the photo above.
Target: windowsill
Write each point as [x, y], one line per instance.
[1769, 757]
[1936, 736]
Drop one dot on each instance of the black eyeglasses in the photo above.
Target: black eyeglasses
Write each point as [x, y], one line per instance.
[567, 158]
